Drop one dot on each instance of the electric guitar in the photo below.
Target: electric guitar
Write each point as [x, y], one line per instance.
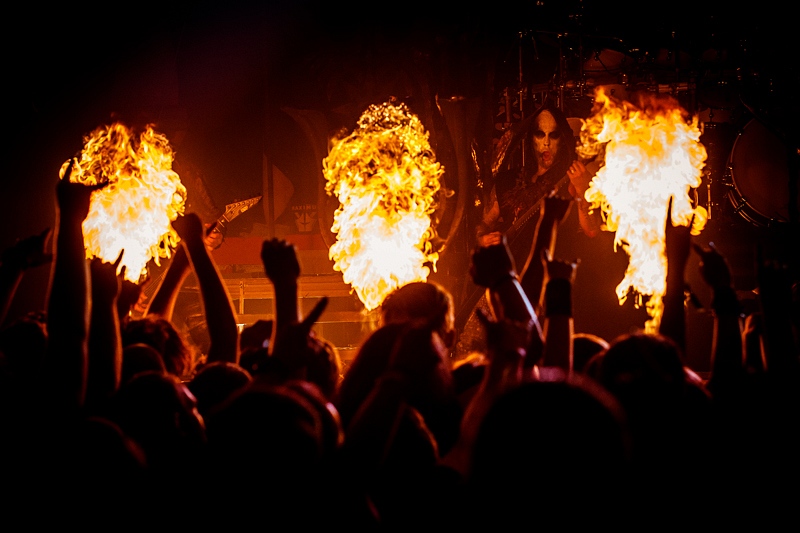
[231, 212]
[518, 232]
[234, 210]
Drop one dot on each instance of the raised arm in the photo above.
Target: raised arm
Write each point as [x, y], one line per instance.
[281, 266]
[65, 370]
[217, 305]
[493, 267]
[727, 366]
[775, 285]
[293, 344]
[166, 293]
[558, 322]
[163, 301]
[25, 254]
[506, 352]
[105, 338]
[677, 246]
[532, 278]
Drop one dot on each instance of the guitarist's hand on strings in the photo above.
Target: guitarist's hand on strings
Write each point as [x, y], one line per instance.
[580, 176]
[213, 236]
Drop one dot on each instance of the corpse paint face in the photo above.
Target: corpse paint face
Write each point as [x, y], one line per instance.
[546, 140]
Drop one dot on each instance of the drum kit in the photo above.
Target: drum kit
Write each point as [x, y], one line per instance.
[747, 175]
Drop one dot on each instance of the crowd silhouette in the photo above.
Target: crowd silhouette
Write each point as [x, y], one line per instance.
[115, 421]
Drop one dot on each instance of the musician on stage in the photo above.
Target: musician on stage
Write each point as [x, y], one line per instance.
[550, 185]
[517, 190]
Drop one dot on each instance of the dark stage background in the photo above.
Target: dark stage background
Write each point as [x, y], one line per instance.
[245, 90]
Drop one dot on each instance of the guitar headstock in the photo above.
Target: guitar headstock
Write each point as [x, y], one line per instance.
[237, 208]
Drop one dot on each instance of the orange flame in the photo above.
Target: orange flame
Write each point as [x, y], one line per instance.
[143, 196]
[385, 176]
[652, 153]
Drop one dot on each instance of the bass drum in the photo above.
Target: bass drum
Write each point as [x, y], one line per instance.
[759, 170]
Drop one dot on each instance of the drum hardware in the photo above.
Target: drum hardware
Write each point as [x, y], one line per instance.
[759, 187]
[671, 88]
[709, 201]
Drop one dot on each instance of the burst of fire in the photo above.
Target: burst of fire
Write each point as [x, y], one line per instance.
[386, 177]
[652, 153]
[143, 195]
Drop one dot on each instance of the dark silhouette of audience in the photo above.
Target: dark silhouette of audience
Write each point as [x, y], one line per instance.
[113, 421]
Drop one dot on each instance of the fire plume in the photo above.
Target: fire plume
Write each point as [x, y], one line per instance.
[143, 195]
[385, 176]
[652, 153]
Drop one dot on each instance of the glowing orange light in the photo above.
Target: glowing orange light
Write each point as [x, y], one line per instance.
[135, 210]
[652, 153]
[385, 176]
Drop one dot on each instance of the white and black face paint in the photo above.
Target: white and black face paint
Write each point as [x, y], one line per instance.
[546, 140]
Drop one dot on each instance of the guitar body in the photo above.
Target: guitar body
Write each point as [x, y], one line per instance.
[522, 207]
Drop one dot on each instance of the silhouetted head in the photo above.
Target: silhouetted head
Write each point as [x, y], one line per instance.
[642, 363]
[422, 301]
[272, 433]
[140, 357]
[430, 389]
[215, 382]
[584, 347]
[546, 448]
[160, 413]
[162, 335]
[325, 368]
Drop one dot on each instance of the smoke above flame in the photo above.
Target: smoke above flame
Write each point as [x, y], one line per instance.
[385, 176]
[135, 210]
[652, 153]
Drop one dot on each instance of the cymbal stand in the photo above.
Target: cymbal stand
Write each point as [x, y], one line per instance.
[521, 90]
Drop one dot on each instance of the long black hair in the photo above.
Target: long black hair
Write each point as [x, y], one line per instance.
[514, 163]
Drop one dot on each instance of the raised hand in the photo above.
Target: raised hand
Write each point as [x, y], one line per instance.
[492, 264]
[15, 260]
[677, 246]
[677, 243]
[559, 268]
[558, 325]
[556, 208]
[280, 260]
[505, 338]
[106, 282]
[132, 297]
[295, 343]
[714, 268]
[189, 228]
[29, 252]
[74, 199]
[220, 315]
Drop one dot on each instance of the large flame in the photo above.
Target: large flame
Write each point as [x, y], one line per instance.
[385, 176]
[135, 210]
[652, 153]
